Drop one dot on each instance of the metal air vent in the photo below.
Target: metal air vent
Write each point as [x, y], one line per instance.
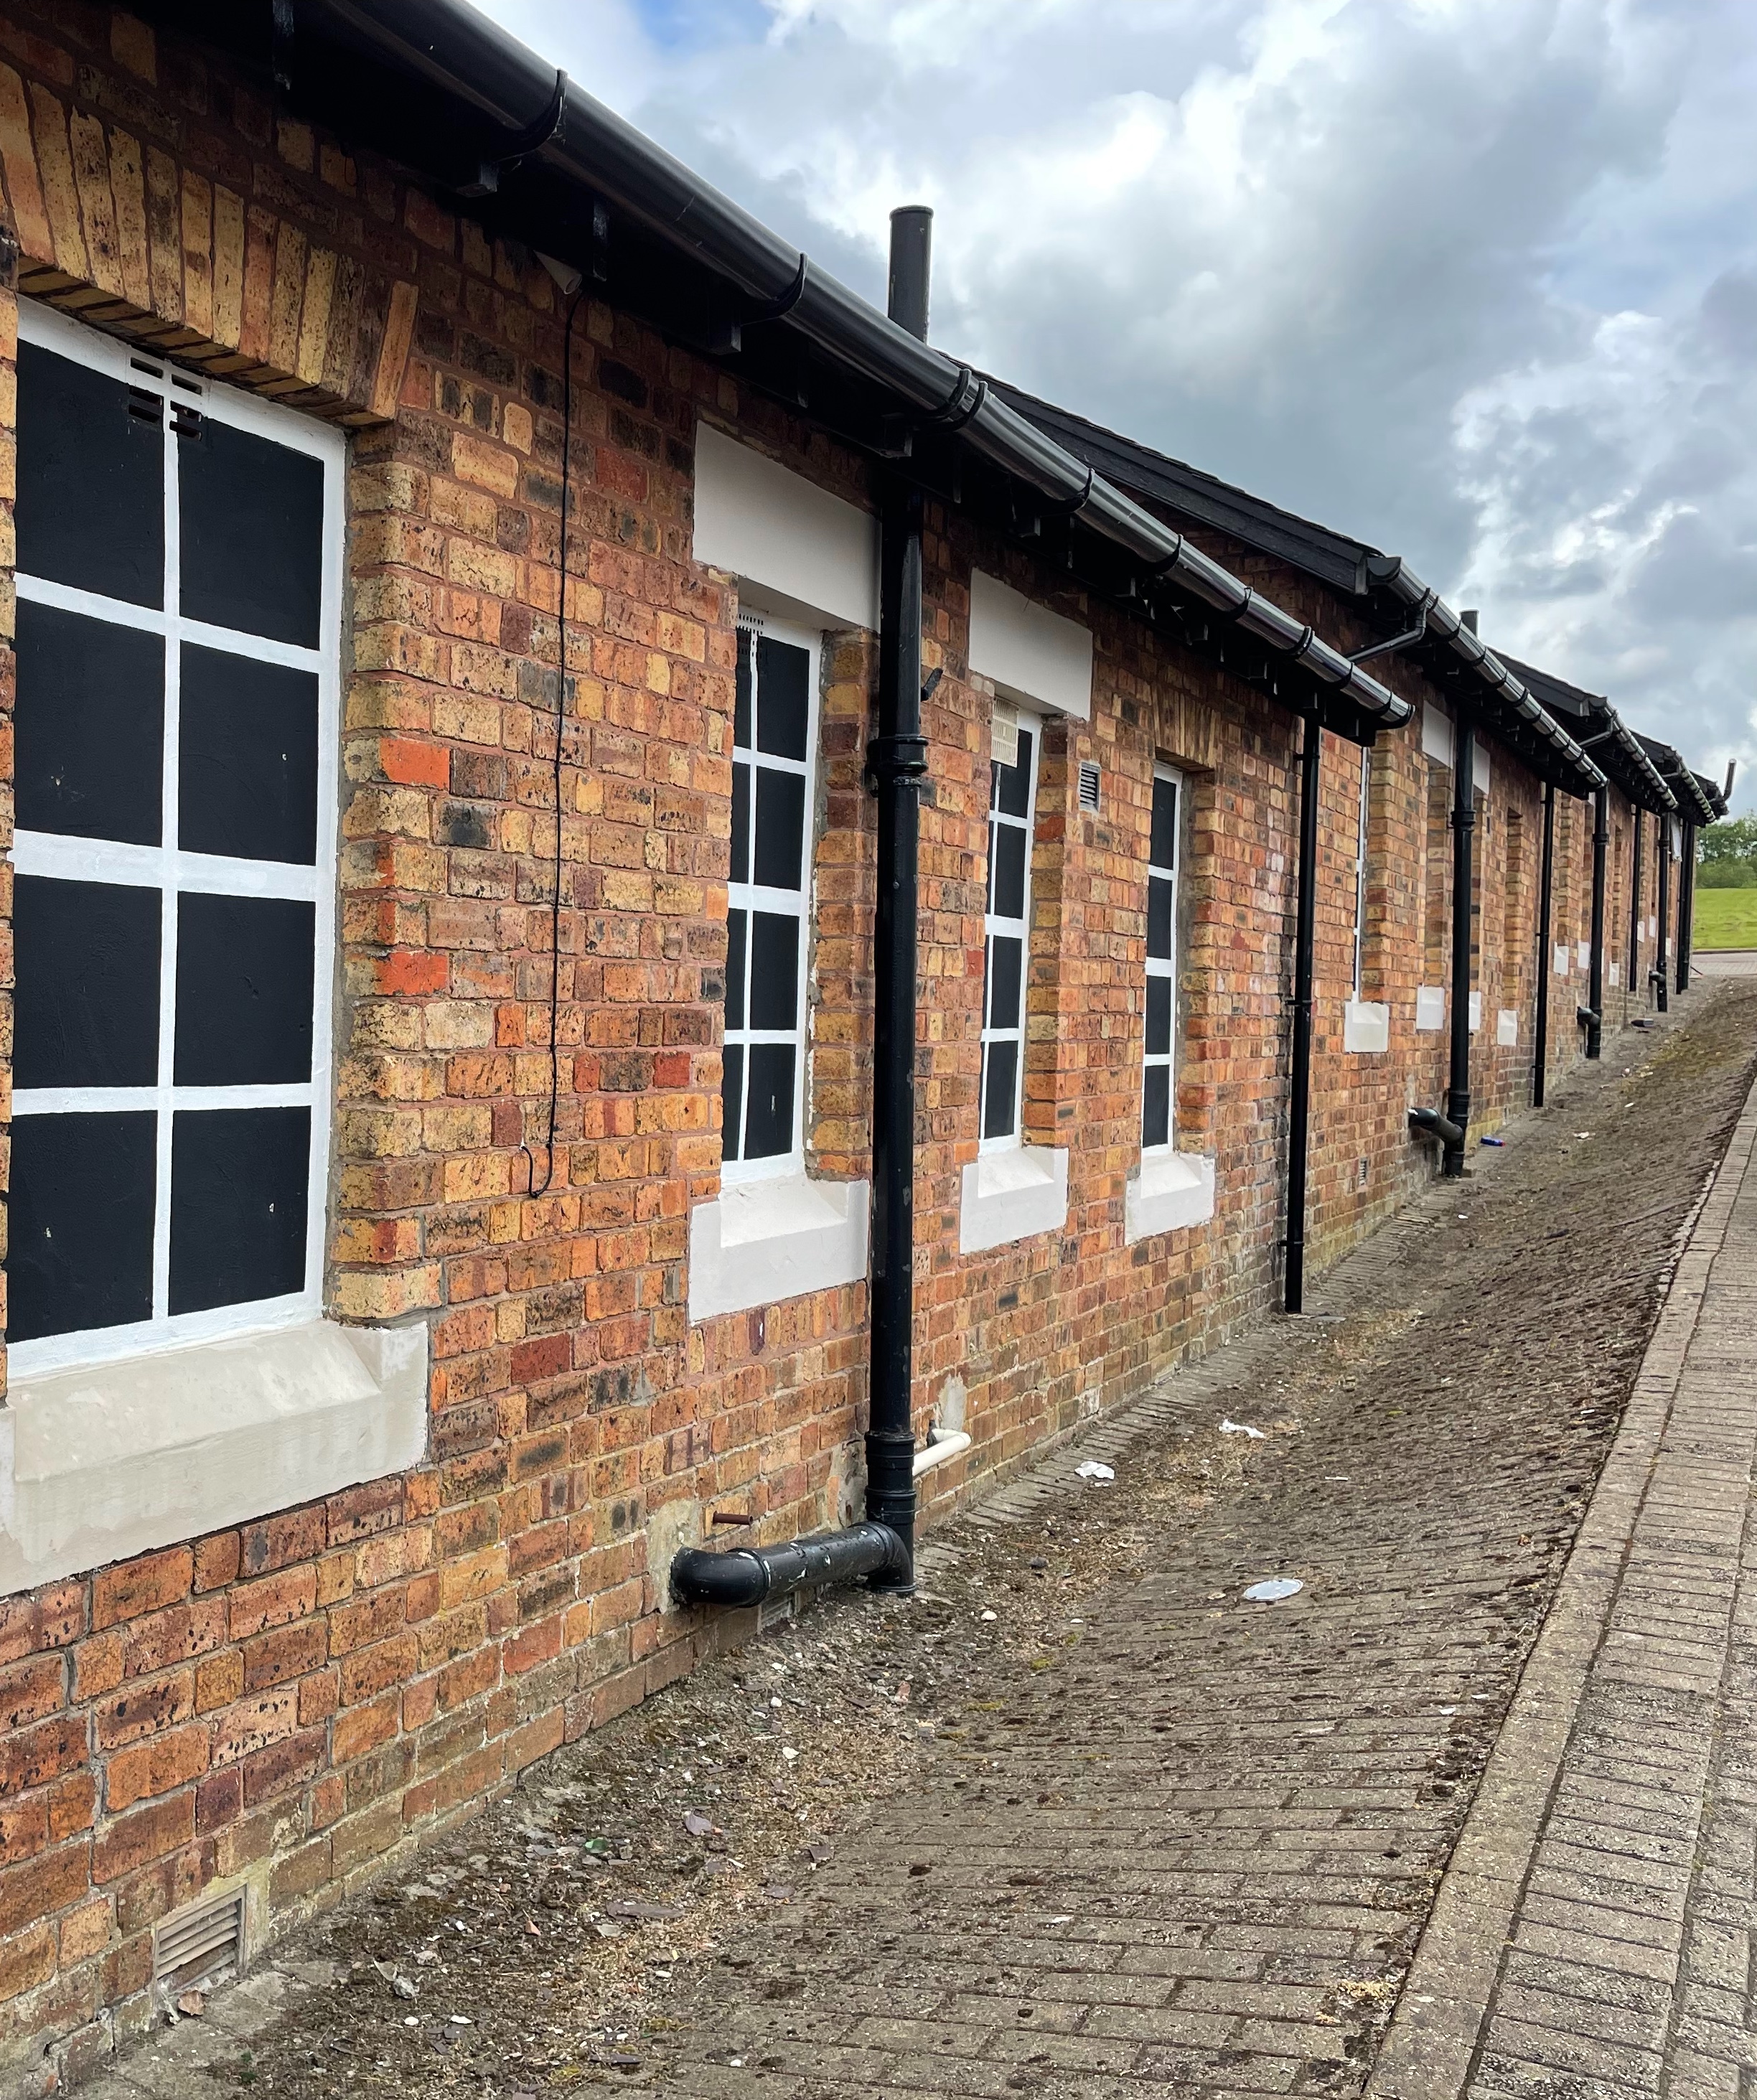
[1089, 778]
[198, 1942]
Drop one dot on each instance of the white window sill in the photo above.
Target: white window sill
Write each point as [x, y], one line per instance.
[102, 1463]
[1366, 1026]
[1430, 1008]
[761, 1242]
[1167, 1193]
[1012, 1195]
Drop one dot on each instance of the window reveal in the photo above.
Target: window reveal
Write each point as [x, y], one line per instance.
[178, 587]
[1012, 815]
[1162, 963]
[773, 737]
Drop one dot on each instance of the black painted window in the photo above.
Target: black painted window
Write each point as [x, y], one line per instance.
[1012, 813]
[774, 740]
[1156, 1117]
[175, 805]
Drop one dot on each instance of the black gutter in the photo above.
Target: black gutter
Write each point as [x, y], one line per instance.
[1523, 722]
[1546, 902]
[522, 119]
[1299, 1074]
[1601, 731]
[1463, 830]
[1594, 1012]
[1448, 648]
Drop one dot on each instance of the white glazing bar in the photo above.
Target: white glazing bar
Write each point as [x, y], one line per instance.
[167, 860]
[118, 1100]
[68, 859]
[149, 619]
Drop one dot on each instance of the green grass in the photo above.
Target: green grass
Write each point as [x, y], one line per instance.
[1726, 919]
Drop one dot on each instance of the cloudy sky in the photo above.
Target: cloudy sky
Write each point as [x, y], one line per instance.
[1473, 279]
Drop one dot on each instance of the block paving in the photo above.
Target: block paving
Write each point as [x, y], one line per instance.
[1158, 1839]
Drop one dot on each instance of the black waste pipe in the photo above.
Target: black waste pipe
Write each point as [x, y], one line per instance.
[1595, 1022]
[750, 1575]
[1299, 1077]
[1635, 910]
[883, 1548]
[1546, 898]
[896, 764]
[1430, 1123]
[1686, 906]
[1463, 827]
[1661, 973]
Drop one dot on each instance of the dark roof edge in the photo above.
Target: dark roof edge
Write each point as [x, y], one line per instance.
[1660, 797]
[548, 121]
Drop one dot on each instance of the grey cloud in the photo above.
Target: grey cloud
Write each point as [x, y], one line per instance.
[1478, 284]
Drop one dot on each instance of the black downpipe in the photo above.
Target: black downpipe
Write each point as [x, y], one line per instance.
[1595, 1027]
[1546, 898]
[1299, 1077]
[1662, 974]
[1464, 828]
[754, 1574]
[1686, 906]
[1635, 910]
[897, 762]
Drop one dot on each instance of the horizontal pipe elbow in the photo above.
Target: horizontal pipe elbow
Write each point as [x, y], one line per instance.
[735, 1579]
[744, 1575]
[1587, 1017]
[1430, 1123]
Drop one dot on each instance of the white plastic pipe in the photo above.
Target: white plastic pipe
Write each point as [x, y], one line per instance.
[936, 1454]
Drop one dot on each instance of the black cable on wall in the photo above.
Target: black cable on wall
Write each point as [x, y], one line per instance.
[561, 718]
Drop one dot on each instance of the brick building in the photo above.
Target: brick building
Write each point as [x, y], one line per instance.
[441, 1037]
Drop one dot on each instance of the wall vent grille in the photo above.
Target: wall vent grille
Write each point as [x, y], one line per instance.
[1088, 785]
[199, 1941]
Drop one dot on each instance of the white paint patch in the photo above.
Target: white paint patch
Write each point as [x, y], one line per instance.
[1031, 653]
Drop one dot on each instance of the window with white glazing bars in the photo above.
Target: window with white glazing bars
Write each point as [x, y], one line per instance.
[1012, 813]
[178, 628]
[1162, 962]
[774, 752]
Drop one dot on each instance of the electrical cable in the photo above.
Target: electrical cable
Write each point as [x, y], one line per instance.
[561, 717]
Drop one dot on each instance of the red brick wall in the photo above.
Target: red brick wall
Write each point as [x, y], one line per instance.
[290, 1701]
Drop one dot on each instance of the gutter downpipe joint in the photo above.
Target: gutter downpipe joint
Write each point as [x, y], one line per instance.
[1463, 826]
[1595, 1026]
[1546, 903]
[1299, 1074]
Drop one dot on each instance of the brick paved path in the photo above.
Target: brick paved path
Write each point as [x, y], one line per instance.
[1197, 1856]
[1596, 1933]
[1160, 1840]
